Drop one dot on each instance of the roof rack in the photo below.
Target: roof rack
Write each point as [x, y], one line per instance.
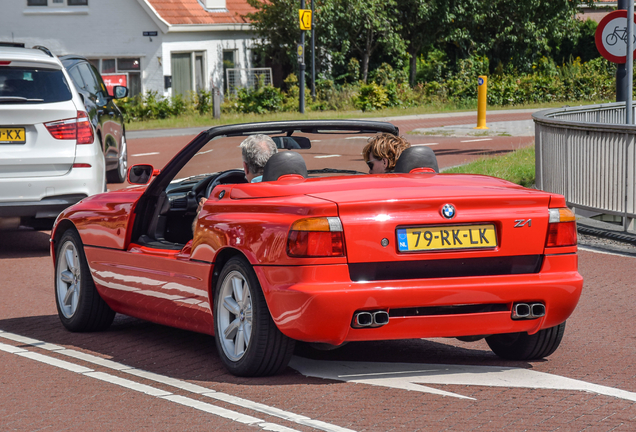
[12, 44]
[44, 49]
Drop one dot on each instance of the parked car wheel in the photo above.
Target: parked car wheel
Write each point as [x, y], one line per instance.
[248, 341]
[522, 346]
[118, 175]
[79, 305]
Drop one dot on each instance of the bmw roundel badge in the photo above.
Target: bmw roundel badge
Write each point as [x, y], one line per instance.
[448, 211]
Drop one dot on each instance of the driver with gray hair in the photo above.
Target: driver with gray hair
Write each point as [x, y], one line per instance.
[257, 149]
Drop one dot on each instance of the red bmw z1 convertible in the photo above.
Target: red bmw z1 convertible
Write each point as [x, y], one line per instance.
[319, 251]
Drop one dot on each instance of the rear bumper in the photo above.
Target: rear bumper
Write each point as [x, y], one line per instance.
[317, 303]
[47, 207]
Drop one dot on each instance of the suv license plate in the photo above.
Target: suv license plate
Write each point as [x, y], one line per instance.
[12, 135]
[428, 238]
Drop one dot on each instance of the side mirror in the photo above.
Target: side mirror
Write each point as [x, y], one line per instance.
[292, 143]
[120, 92]
[141, 174]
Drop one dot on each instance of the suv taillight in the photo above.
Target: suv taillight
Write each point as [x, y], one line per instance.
[561, 228]
[74, 128]
[316, 237]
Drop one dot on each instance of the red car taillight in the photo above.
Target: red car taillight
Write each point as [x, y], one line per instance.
[316, 237]
[74, 128]
[562, 228]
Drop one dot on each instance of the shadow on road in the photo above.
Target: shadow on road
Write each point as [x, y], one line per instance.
[24, 244]
[192, 356]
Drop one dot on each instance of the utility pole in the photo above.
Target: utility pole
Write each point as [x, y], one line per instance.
[621, 70]
[629, 62]
[313, 54]
[301, 97]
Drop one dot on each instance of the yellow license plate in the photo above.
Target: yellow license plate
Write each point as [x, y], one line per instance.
[427, 238]
[12, 135]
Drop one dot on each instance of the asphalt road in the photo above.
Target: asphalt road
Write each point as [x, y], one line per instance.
[142, 376]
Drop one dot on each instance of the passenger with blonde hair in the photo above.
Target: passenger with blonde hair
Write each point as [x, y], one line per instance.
[382, 152]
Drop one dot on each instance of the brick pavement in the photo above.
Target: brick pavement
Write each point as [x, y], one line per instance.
[598, 347]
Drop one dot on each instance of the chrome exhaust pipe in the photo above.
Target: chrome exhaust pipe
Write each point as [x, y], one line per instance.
[380, 318]
[362, 319]
[537, 310]
[520, 311]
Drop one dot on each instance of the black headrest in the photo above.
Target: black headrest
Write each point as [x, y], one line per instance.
[283, 163]
[416, 157]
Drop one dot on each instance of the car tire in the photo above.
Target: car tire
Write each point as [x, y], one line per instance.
[118, 175]
[79, 305]
[522, 346]
[247, 339]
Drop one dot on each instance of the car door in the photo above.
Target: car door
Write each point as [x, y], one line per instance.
[115, 117]
[100, 113]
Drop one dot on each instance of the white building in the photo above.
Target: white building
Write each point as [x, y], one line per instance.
[167, 46]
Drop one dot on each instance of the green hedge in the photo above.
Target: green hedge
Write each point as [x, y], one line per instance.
[573, 81]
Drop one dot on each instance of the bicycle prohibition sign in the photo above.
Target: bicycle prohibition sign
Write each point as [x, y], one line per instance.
[617, 35]
[611, 36]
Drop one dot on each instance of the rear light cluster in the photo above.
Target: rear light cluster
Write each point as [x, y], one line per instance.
[78, 128]
[561, 228]
[316, 237]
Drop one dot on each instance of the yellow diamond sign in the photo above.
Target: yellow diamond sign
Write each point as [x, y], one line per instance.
[305, 19]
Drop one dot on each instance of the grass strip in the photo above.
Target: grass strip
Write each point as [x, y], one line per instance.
[206, 120]
[517, 167]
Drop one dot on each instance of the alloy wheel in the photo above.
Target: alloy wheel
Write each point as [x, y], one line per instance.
[68, 279]
[234, 315]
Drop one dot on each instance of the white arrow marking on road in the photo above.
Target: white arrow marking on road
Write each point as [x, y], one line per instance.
[145, 154]
[410, 376]
[475, 140]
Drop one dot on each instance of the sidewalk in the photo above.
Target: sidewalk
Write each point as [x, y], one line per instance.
[462, 121]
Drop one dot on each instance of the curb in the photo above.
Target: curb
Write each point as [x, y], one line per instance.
[621, 237]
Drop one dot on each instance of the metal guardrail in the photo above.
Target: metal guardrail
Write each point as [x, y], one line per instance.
[587, 154]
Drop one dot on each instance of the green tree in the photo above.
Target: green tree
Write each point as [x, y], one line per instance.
[423, 22]
[510, 31]
[361, 26]
[276, 25]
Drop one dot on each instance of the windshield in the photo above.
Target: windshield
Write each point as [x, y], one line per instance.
[33, 85]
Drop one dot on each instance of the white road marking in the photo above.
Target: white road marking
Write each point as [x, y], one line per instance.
[358, 137]
[183, 385]
[410, 376]
[145, 154]
[316, 140]
[475, 140]
[207, 151]
[425, 144]
[326, 156]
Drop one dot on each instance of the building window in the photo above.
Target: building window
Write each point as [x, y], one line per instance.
[188, 73]
[108, 66]
[57, 2]
[128, 64]
[229, 58]
[122, 66]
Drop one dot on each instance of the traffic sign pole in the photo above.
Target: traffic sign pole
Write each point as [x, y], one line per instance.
[621, 72]
[630, 62]
[313, 54]
[301, 96]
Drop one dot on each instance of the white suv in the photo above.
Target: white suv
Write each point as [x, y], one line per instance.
[49, 157]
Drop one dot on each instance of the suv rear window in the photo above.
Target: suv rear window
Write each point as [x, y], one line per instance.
[33, 85]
